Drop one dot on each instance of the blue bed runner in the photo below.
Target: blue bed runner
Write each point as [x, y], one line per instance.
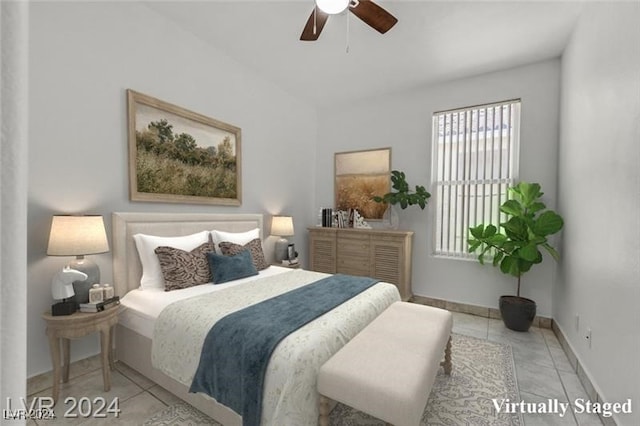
[238, 347]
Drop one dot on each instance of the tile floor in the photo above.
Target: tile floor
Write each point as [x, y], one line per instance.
[542, 368]
[543, 371]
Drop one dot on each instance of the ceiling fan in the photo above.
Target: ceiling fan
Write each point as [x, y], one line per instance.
[369, 12]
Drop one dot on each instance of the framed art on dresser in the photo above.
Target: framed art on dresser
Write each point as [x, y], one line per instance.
[180, 156]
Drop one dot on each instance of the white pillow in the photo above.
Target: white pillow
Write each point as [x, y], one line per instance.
[240, 238]
[146, 245]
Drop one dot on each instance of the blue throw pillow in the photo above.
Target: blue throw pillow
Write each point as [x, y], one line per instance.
[229, 268]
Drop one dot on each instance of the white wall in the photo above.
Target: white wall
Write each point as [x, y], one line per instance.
[599, 196]
[403, 122]
[14, 32]
[83, 56]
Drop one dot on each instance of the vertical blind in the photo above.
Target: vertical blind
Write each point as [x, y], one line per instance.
[475, 152]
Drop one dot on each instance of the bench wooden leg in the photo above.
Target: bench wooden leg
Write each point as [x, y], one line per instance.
[324, 411]
[447, 358]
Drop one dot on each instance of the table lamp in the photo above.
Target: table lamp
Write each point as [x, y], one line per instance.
[79, 236]
[282, 226]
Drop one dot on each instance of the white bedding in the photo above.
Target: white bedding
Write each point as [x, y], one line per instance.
[290, 396]
[140, 308]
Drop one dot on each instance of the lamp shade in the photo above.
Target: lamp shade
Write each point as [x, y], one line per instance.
[282, 226]
[77, 236]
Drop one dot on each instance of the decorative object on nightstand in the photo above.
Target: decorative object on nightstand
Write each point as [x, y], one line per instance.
[62, 289]
[282, 226]
[100, 306]
[95, 294]
[288, 264]
[292, 254]
[79, 236]
[109, 292]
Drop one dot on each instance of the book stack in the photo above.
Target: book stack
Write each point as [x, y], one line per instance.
[327, 218]
[100, 306]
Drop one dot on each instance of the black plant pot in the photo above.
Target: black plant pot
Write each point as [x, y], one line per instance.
[517, 312]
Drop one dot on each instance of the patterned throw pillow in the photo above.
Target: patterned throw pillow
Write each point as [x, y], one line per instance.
[255, 248]
[183, 269]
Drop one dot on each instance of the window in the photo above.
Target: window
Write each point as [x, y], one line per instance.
[475, 161]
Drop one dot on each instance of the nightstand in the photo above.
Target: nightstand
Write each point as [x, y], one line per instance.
[79, 324]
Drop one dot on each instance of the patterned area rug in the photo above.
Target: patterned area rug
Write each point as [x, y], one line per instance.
[482, 371]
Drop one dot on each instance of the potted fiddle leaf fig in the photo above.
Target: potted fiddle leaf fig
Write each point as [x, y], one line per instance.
[401, 193]
[516, 246]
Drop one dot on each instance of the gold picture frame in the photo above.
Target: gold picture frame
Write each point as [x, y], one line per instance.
[180, 156]
[359, 175]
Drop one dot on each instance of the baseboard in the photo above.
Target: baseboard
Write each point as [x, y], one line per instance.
[481, 311]
[580, 372]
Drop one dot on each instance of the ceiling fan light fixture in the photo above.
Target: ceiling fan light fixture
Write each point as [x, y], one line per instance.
[332, 7]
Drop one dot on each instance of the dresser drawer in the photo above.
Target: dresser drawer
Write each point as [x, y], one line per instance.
[353, 246]
[359, 250]
[353, 266]
[353, 236]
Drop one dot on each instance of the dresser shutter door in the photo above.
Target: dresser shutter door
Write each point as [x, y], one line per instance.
[323, 255]
[386, 262]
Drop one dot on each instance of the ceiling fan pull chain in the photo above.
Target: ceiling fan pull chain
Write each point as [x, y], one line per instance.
[347, 48]
[315, 15]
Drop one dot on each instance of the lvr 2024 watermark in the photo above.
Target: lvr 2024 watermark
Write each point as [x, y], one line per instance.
[42, 408]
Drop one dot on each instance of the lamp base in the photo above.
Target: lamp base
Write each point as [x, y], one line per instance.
[81, 288]
[64, 308]
[280, 250]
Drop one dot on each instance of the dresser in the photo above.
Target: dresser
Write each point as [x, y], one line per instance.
[378, 253]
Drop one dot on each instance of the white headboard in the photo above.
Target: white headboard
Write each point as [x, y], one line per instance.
[127, 269]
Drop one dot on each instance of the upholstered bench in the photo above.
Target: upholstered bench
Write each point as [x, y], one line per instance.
[387, 369]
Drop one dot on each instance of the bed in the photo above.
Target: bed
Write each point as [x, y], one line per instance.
[290, 396]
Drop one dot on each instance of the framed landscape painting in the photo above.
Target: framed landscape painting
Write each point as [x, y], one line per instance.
[359, 175]
[180, 156]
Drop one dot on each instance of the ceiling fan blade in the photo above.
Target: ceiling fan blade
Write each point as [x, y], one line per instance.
[317, 20]
[374, 16]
